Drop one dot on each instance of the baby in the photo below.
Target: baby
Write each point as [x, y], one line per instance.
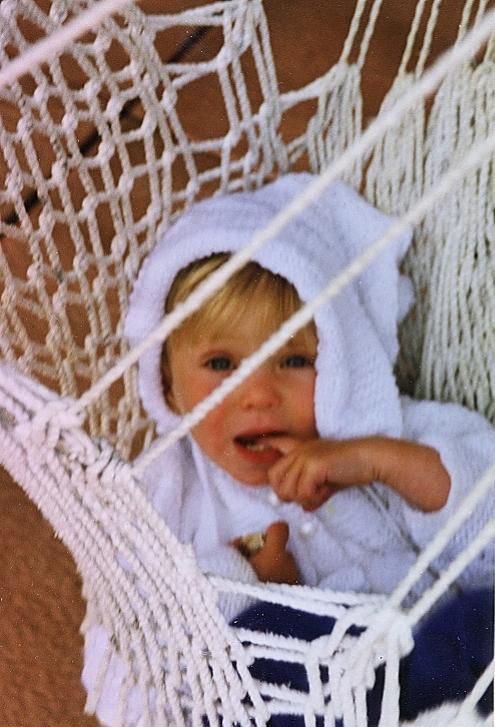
[345, 480]
[265, 432]
[338, 479]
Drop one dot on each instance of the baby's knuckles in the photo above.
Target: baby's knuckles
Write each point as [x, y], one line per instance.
[345, 463]
[314, 470]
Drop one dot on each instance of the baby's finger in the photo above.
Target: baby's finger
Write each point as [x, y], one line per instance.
[283, 444]
[278, 471]
[317, 499]
[282, 483]
[276, 537]
[311, 485]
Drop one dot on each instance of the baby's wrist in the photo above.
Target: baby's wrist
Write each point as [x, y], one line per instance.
[405, 467]
[369, 453]
[381, 455]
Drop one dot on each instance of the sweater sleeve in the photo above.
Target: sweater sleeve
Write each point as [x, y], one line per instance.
[466, 444]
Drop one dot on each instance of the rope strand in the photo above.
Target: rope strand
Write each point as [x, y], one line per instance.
[46, 49]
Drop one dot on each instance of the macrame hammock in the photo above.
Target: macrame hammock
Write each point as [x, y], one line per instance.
[95, 161]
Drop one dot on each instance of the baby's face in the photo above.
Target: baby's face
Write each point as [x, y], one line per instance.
[277, 399]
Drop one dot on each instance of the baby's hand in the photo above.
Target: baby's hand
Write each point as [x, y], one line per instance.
[273, 562]
[310, 472]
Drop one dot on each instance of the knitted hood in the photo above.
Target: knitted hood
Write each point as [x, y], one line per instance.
[355, 392]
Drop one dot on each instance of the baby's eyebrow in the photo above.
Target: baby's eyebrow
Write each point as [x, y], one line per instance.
[295, 351]
[297, 344]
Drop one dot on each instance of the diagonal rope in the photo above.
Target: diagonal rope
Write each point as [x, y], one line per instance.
[49, 47]
[470, 702]
[422, 88]
[438, 543]
[457, 566]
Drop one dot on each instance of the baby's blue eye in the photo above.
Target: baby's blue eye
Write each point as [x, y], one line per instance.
[297, 361]
[219, 363]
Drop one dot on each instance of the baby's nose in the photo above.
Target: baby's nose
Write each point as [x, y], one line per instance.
[260, 390]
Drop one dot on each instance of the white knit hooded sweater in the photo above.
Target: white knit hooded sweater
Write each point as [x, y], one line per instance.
[365, 538]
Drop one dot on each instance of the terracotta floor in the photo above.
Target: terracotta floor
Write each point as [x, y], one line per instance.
[40, 603]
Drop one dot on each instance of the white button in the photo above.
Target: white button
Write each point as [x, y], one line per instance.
[273, 499]
[307, 529]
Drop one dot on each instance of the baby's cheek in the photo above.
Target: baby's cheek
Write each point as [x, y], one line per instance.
[210, 428]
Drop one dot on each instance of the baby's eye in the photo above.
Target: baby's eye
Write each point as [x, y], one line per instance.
[220, 363]
[297, 361]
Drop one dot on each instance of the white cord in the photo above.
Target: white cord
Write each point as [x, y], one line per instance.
[50, 46]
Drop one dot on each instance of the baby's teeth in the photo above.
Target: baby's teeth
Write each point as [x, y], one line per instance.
[258, 446]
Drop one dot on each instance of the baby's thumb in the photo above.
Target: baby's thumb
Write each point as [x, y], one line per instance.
[276, 536]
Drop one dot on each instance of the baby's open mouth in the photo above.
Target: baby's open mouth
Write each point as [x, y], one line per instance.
[257, 442]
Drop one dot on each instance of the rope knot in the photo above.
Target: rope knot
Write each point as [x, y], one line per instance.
[46, 425]
[391, 629]
[389, 634]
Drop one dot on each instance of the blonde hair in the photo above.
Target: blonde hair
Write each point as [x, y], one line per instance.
[273, 298]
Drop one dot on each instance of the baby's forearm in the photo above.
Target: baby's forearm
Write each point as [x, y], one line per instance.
[414, 471]
[310, 472]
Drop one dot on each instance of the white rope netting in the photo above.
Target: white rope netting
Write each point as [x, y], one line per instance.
[97, 155]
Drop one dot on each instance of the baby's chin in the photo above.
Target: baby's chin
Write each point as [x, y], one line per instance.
[261, 482]
[246, 461]
[251, 466]
[249, 479]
